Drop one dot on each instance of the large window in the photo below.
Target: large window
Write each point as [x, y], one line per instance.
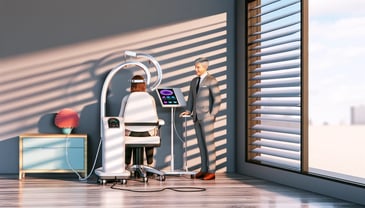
[306, 115]
[276, 66]
[336, 89]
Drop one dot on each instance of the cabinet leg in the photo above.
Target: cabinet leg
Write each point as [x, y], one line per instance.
[21, 175]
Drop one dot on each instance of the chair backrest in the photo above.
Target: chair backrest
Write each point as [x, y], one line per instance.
[140, 112]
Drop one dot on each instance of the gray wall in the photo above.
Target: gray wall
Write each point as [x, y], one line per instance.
[56, 54]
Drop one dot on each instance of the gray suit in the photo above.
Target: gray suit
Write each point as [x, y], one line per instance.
[204, 105]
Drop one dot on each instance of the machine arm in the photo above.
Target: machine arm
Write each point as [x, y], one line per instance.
[153, 61]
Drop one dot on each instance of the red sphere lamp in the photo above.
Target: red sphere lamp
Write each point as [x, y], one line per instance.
[67, 119]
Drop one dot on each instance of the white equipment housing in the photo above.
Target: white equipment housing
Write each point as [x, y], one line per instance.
[113, 147]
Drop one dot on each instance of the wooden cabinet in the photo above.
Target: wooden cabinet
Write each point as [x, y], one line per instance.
[52, 153]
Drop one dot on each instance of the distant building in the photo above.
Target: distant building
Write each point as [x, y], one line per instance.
[358, 115]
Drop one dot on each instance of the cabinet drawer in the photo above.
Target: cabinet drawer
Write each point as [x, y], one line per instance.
[52, 142]
[53, 158]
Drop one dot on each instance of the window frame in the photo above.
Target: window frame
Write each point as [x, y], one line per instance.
[303, 82]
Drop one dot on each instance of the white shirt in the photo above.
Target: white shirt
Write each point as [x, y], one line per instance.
[202, 77]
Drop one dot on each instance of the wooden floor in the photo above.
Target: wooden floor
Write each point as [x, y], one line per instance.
[228, 190]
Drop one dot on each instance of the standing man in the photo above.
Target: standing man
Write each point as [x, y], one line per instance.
[203, 104]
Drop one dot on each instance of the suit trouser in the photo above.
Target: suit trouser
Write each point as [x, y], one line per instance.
[205, 134]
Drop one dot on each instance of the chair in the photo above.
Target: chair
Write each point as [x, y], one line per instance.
[140, 115]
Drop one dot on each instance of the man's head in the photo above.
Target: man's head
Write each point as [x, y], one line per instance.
[138, 84]
[201, 65]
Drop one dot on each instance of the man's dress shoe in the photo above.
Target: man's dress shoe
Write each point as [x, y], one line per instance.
[209, 176]
[200, 174]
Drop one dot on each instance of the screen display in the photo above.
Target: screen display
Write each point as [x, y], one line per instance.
[168, 97]
[113, 123]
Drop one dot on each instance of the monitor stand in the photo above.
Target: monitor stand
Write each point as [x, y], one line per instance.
[172, 163]
[172, 98]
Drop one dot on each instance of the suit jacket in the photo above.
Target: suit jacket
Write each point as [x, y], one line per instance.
[206, 101]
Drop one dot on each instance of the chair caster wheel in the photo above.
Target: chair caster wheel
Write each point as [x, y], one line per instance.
[123, 181]
[102, 181]
[161, 178]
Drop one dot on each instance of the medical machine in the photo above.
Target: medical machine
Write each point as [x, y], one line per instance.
[112, 128]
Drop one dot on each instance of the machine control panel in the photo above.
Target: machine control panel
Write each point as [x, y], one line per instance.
[113, 123]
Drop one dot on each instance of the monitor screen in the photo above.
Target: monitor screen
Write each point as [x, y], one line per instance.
[170, 97]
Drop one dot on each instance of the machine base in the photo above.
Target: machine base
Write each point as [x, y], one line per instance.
[104, 177]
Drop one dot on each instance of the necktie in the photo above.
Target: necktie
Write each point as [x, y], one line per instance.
[197, 84]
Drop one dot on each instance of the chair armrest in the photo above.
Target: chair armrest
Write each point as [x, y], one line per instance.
[161, 122]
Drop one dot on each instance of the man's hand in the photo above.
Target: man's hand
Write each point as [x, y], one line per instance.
[185, 114]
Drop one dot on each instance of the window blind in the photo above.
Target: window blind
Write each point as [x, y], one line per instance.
[274, 83]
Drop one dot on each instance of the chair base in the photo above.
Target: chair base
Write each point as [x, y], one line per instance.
[143, 170]
[140, 170]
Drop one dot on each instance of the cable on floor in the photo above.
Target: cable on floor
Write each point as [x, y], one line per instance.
[177, 189]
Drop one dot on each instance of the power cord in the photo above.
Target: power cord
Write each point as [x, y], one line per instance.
[177, 189]
[185, 158]
[69, 163]
[176, 131]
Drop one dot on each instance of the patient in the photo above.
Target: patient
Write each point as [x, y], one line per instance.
[137, 85]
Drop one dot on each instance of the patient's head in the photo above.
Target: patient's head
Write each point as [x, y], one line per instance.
[138, 84]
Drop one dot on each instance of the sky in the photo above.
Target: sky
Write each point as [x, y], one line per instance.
[336, 59]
